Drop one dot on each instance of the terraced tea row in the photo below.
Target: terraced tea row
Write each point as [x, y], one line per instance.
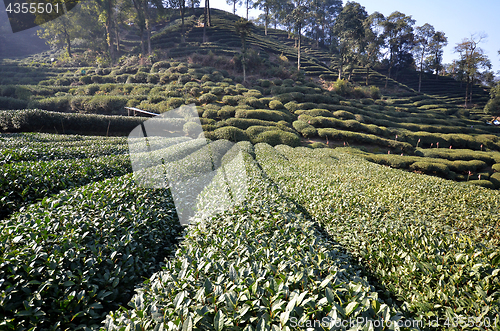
[71, 258]
[263, 265]
[432, 243]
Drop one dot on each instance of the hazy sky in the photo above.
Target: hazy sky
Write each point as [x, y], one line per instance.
[458, 19]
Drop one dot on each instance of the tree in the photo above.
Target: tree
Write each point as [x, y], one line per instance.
[493, 105]
[106, 8]
[423, 39]
[298, 16]
[350, 31]
[248, 4]
[398, 31]
[234, 3]
[372, 43]
[439, 40]
[206, 19]
[473, 60]
[193, 4]
[64, 29]
[243, 29]
[181, 5]
[321, 20]
[264, 5]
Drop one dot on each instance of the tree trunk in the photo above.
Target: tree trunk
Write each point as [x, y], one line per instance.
[109, 33]
[117, 35]
[143, 43]
[68, 44]
[205, 18]
[183, 32]
[247, 10]
[466, 91]
[148, 26]
[389, 73]
[471, 87]
[367, 74]
[234, 7]
[192, 6]
[267, 20]
[298, 48]
[209, 15]
[420, 73]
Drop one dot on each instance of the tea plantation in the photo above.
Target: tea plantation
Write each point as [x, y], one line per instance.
[368, 203]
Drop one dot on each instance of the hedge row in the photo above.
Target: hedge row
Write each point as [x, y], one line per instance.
[23, 183]
[72, 258]
[30, 120]
[363, 138]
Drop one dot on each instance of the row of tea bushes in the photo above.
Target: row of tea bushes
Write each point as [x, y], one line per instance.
[73, 257]
[32, 120]
[23, 183]
[431, 243]
[262, 265]
[12, 152]
[475, 170]
[37, 140]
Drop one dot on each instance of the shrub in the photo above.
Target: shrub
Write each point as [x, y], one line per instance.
[284, 98]
[345, 115]
[217, 90]
[277, 137]
[292, 106]
[252, 102]
[31, 120]
[265, 101]
[153, 78]
[59, 104]
[207, 98]
[253, 94]
[276, 104]
[82, 262]
[255, 130]
[482, 183]
[160, 65]
[495, 179]
[342, 87]
[230, 133]
[245, 123]
[266, 115]
[496, 167]
[210, 113]
[430, 168]
[12, 103]
[306, 129]
[314, 112]
[77, 104]
[105, 104]
[223, 114]
[86, 79]
[265, 83]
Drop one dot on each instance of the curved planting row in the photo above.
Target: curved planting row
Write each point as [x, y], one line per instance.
[23, 183]
[432, 243]
[71, 258]
[263, 265]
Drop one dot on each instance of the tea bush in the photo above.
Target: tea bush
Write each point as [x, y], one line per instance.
[12, 103]
[82, 262]
[277, 137]
[275, 104]
[26, 182]
[307, 130]
[230, 133]
[207, 98]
